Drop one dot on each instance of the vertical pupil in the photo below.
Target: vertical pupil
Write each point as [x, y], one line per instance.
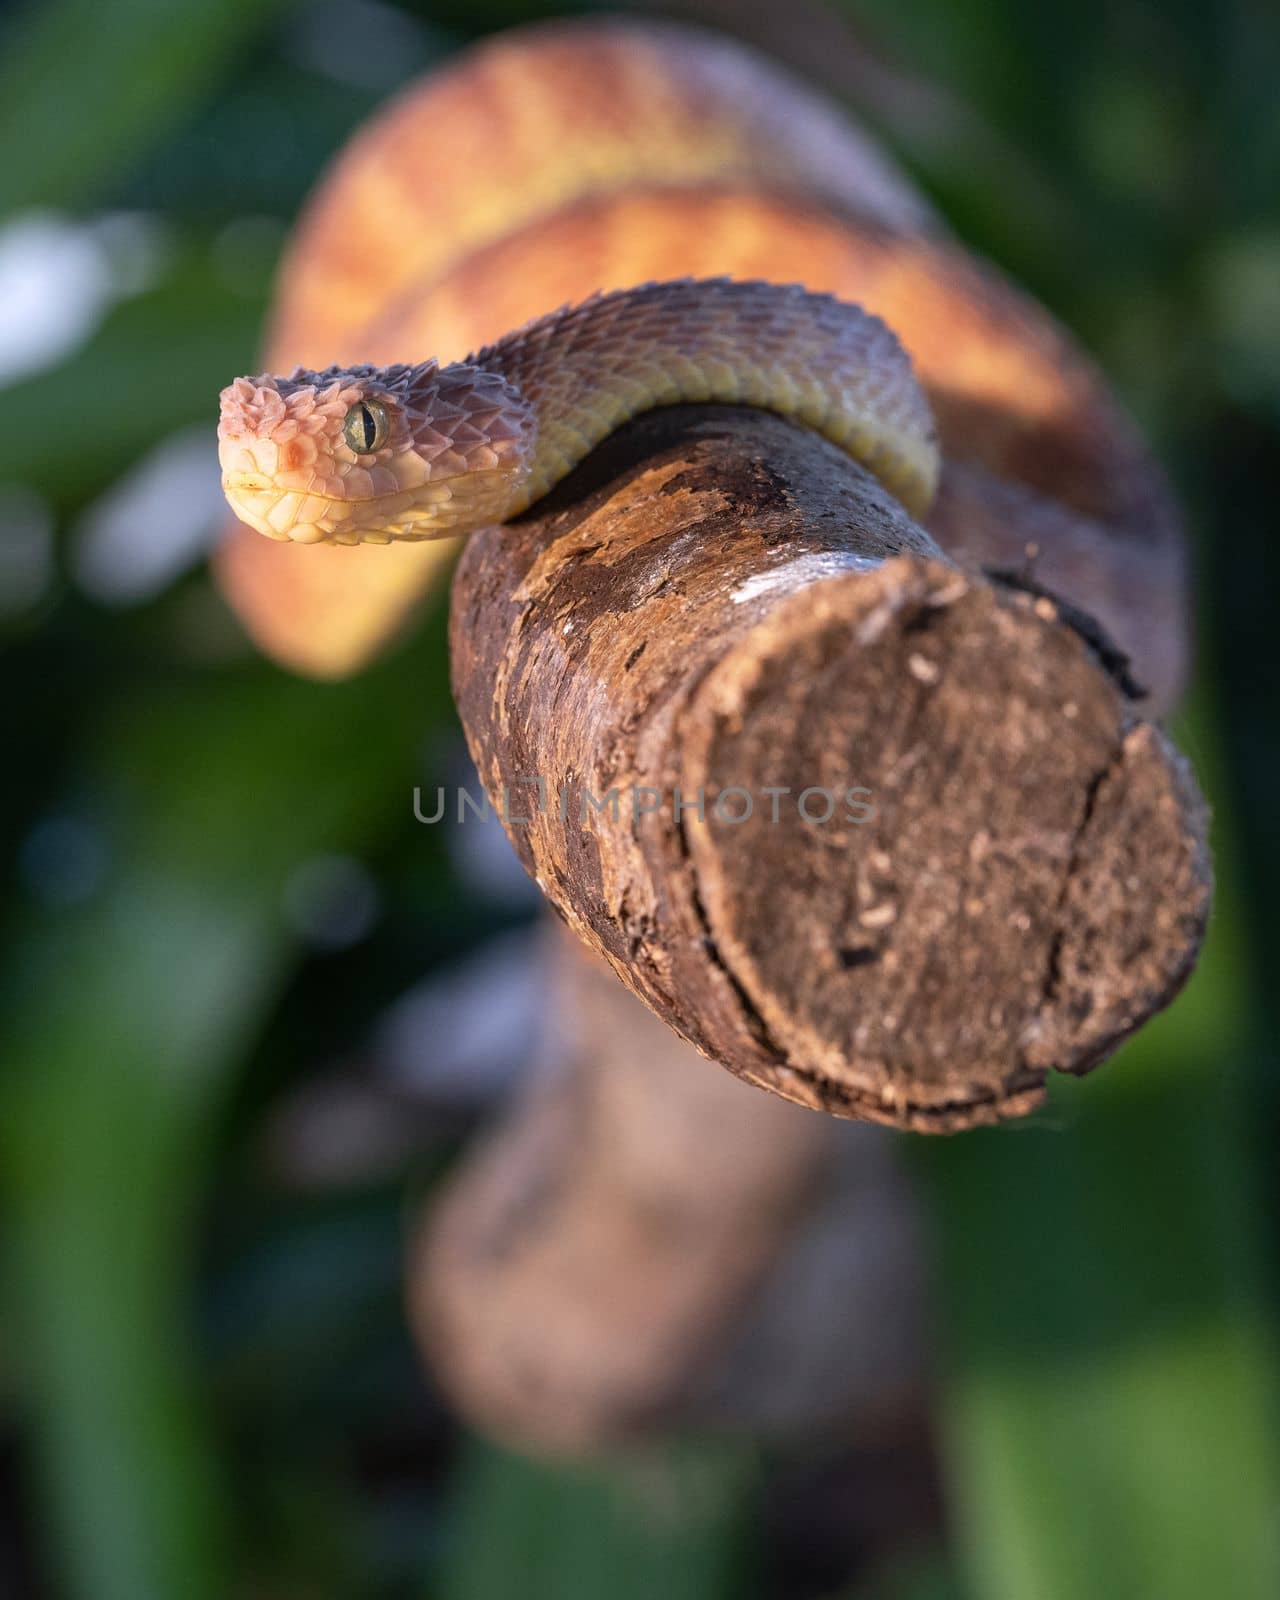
[368, 426]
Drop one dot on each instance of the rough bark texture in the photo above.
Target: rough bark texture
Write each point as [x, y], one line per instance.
[720, 604]
[643, 1241]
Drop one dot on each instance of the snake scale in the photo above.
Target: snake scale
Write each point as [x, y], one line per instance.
[663, 217]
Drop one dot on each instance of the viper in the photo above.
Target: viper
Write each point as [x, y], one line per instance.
[580, 221]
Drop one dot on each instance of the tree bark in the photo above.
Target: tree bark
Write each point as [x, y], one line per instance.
[644, 1242]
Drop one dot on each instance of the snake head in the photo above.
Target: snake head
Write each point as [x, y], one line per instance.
[357, 455]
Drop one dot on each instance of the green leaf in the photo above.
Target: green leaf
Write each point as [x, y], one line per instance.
[673, 1522]
[87, 85]
[125, 1017]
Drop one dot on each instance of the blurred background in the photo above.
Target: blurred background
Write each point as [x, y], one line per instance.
[245, 1033]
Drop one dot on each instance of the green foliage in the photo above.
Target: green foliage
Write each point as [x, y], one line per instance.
[87, 87]
[127, 1014]
[673, 1522]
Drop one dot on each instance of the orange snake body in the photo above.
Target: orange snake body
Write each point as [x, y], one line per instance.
[557, 162]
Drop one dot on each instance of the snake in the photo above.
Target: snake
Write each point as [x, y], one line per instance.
[571, 223]
[371, 454]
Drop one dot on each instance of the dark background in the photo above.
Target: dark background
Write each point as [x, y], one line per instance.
[217, 1114]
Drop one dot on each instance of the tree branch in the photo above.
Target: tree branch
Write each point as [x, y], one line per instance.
[983, 865]
[644, 1241]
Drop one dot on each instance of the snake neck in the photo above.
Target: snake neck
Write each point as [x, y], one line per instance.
[586, 370]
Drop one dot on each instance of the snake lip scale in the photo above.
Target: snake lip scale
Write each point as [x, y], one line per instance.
[371, 454]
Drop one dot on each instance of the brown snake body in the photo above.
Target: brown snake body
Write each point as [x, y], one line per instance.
[558, 162]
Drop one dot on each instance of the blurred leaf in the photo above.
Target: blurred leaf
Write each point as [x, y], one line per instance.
[124, 1017]
[88, 84]
[913, 1577]
[157, 362]
[672, 1522]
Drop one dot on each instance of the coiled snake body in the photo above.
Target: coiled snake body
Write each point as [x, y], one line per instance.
[570, 164]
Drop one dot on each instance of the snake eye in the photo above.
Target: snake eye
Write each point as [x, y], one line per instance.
[365, 428]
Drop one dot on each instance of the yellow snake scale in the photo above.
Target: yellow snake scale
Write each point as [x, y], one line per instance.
[661, 216]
